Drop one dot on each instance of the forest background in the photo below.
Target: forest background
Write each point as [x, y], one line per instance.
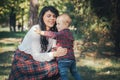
[95, 25]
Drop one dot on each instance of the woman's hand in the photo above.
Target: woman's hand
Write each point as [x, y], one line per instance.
[60, 52]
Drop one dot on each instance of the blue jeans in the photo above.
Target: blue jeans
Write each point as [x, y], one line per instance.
[64, 65]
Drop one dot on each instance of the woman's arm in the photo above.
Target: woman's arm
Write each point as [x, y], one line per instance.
[60, 52]
[36, 47]
[32, 43]
[51, 55]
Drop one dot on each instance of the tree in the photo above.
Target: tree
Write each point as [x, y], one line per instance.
[10, 12]
[12, 20]
[110, 10]
[33, 17]
[115, 26]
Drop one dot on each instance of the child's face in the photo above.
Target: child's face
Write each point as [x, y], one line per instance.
[60, 24]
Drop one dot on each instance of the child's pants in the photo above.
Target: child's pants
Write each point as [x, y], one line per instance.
[65, 65]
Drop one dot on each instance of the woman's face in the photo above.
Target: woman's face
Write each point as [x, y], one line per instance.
[49, 19]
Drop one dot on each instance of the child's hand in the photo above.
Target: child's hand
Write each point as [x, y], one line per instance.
[37, 31]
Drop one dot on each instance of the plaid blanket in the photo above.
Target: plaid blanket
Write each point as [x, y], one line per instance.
[24, 67]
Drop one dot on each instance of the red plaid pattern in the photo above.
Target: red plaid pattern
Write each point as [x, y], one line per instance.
[25, 68]
[65, 39]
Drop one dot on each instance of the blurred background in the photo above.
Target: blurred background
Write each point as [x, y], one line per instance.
[95, 25]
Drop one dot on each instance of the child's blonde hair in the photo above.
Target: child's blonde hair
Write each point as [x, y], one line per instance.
[65, 18]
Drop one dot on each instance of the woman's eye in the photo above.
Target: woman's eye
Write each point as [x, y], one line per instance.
[54, 16]
[48, 15]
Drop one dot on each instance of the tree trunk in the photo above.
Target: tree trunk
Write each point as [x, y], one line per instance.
[13, 20]
[33, 18]
[115, 30]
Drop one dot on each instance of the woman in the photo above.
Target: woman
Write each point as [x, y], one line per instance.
[33, 59]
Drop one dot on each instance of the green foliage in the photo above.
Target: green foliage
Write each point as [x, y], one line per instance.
[91, 18]
[18, 5]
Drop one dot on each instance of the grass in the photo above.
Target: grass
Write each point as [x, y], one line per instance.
[5, 64]
[90, 68]
[100, 70]
[8, 43]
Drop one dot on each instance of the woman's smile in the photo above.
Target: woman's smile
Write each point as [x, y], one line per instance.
[49, 19]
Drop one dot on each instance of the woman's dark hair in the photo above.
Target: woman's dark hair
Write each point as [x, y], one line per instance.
[43, 40]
